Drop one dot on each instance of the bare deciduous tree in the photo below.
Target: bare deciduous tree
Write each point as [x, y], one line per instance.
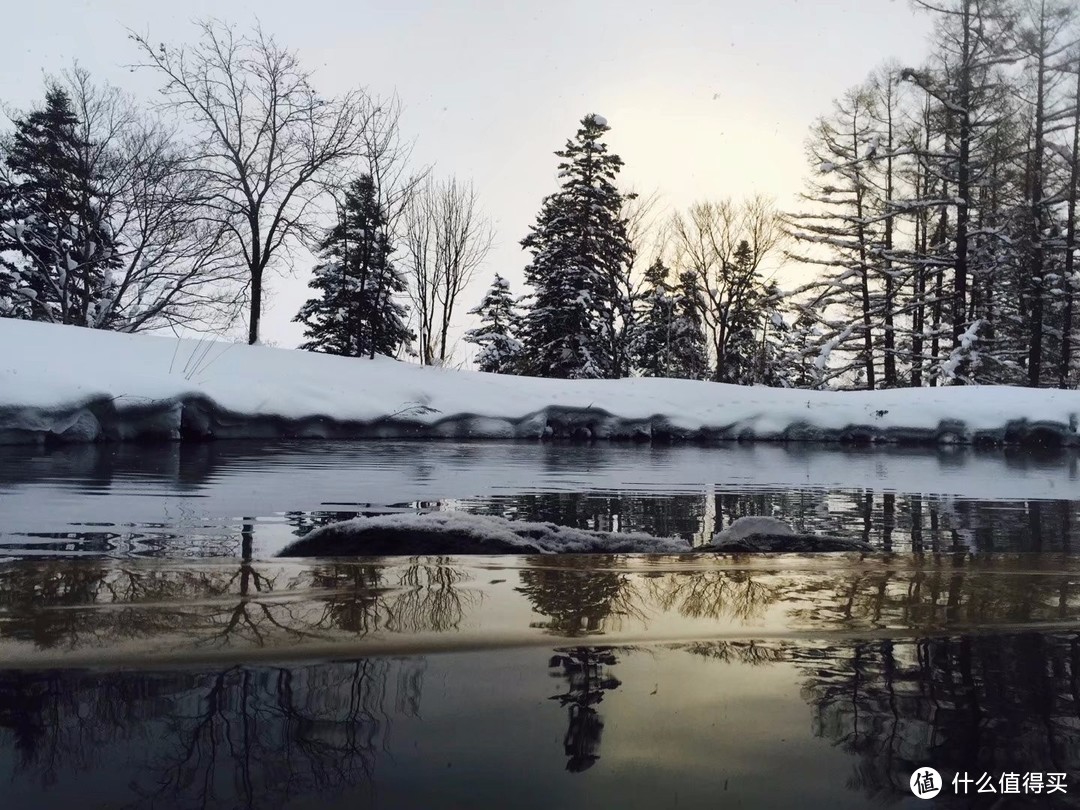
[724, 245]
[141, 253]
[447, 237]
[264, 138]
[176, 264]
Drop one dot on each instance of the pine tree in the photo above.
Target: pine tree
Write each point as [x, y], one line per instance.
[356, 312]
[655, 324]
[57, 242]
[690, 355]
[578, 312]
[669, 340]
[843, 232]
[499, 349]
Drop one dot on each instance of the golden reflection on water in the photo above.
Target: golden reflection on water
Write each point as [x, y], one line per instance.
[55, 611]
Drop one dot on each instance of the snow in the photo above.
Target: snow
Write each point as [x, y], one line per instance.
[80, 384]
[746, 526]
[463, 533]
[600, 120]
[772, 535]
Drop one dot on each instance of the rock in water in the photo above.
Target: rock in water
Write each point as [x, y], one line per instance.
[463, 533]
[748, 526]
[766, 534]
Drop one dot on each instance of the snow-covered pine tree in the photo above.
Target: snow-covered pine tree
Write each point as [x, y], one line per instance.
[356, 311]
[971, 101]
[580, 257]
[842, 232]
[1047, 29]
[1070, 276]
[652, 343]
[690, 354]
[499, 319]
[15, 292]
[58, 248]
[668, 337]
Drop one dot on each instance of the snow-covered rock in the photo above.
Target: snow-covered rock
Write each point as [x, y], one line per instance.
[464, 533]
[67, 383]
[769, 534]
[746, 526]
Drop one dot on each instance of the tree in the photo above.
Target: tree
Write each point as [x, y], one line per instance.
[966, 84]
[847, 232]
[265, 138]
[355, 313]
[668, 338]
[1070, 246]
[499, 319]
[61, 248]
[580, 259]
[723, 245]
[447, 238]
[1045, 32]
[169, 263]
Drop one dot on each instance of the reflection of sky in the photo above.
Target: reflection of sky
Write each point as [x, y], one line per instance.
[704, 98]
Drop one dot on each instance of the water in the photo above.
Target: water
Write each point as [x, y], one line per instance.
[155, 653]
[231, 499]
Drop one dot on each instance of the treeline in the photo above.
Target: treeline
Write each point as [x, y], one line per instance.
[615, 292]
[942, 214]
[935, 243]
[118, 216]
[938, 231]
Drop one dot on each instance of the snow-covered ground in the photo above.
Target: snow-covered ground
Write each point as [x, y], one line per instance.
[77, 384]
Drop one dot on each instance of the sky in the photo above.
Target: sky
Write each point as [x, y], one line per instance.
[706, 99]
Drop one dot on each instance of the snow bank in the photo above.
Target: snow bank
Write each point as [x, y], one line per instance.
[71, 384]
[462, 533]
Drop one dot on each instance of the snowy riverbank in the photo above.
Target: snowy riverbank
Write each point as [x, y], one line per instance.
[71, 384]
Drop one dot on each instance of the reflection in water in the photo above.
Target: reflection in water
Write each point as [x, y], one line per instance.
[960, 662]
[344, 734]
[993, 704]
[576, 599]
[587, 679]
[239, 737]
[97, 608]
[187, 500]
[61, 605]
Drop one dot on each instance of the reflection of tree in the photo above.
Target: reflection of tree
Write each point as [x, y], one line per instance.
[240, 737]
[994, 704]
[426, 594]
[752, 653]
[580, 595]
[587, 681]
[933, 594]
[712, 594]
[244, 603]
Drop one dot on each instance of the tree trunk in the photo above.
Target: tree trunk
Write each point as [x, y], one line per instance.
[1036, 258]
[1065, 363]
[890, 287]
[256, 306]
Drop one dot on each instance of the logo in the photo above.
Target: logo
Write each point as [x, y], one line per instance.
[926, 783]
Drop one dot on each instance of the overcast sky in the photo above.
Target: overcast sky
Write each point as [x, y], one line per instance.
[705, 99]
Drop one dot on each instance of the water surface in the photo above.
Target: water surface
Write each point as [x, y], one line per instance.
[535, 681]
[232, 498]
[155, 653]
